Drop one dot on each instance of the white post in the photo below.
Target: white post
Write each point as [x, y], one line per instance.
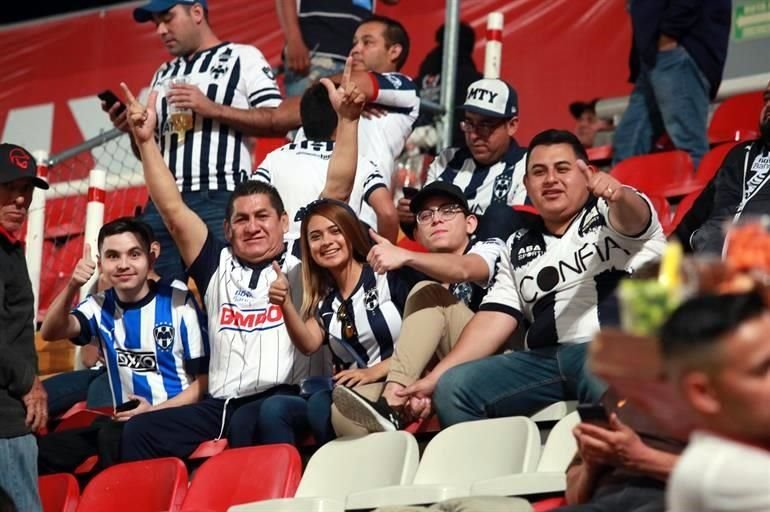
[494, 48]
[36, 230]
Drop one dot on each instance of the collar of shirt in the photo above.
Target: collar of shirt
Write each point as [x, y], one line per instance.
[13, 240]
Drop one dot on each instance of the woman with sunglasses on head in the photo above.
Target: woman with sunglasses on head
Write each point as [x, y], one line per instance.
[346, 305]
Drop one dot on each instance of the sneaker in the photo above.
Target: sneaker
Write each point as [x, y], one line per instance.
[373, 416]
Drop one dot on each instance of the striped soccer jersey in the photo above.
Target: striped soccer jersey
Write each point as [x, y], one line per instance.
[469, 293]
[502, 182]
[375, 308]
[150, 347]
[250, 347]
[214, 156]
[560, 285]
[298, 170]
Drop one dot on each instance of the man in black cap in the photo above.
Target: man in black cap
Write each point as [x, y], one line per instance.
[435, 312]
[23, 401]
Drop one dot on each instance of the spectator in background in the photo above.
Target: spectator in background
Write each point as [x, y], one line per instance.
[677, 58]
[429, 77]
[319, 34]
[556, 278]
[587, 124]
[738, 188]
[491, 168]
[717, 354]
[232, 94]
[23, 404]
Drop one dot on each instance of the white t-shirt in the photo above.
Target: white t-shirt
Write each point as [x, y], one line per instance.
[560, 285]
[715, 474]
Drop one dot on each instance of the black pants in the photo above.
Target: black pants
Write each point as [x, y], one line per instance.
[627, 498]
[177, 431]
[62, 452]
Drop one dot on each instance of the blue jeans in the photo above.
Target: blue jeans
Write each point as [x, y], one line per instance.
[296, 85]
[18, 472]
[673, 96]
[285, 418]
[515, 384]
[67, 389]
[210, 207]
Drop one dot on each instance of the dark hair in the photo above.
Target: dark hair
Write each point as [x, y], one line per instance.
[250, 188]
[466, 39]
[551, 137]
[319, 120]
[701, 321]
[394, 33]
[141, 229]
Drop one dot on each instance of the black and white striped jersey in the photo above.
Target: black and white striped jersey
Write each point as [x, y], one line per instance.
[562, 286]
[501, 182]
[214, 156]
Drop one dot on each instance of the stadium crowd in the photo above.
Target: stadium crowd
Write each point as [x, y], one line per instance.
[308, 317]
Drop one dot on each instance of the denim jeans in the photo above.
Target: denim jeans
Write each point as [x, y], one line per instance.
[284, 419]
[210, 207]
[515, 384]
[673, 96]
[18, 472]
[66, 389]
[296, 85]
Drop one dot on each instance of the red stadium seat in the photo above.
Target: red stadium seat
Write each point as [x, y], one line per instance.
[59, 492]
[711, 162]
[409, 244]
[244, 475]
[667, 174]
[79, 416]
[736, 118]
[664, 211]
[683, 207]
[548, 504]
[157, 484]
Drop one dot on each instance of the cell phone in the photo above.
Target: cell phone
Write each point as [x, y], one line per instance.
[410, 192]
[109, 97]
[127, 406]
[593, 413]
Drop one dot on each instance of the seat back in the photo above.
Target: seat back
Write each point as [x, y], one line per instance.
[711, 162]
[665, 174]
[156, 484]
[683, 207]
[59, 492]
[351, 464]
[736, 118]
[560, 447]
[477, 450]
[663, 209]
[243, 475]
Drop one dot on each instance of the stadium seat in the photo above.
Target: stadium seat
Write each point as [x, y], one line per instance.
[554, 412]
[79, 415]
[345, 466]
[156, 484]
[550, 475]
[548, 504]
[59, 492]
[683, 207]
[667, 174]
[736, 118]
[458, 456]
[243, 475]
[663, 209]
[711, 162]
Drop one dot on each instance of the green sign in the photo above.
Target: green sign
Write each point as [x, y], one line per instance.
[752, 20]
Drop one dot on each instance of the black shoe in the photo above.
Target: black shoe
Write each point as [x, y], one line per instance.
[373, 416]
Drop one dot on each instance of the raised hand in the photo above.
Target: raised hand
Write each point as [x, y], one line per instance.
[141, 119]
[117, 115]
[347, 99]
[601, 184]
[279, 289]
[385, 256]
[84, 269]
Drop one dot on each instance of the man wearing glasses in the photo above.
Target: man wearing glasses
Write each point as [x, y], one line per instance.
[490, 169]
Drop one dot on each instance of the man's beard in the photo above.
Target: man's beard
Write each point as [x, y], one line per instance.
[764, 131]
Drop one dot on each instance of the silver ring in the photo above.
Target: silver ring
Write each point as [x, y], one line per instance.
[609, 190]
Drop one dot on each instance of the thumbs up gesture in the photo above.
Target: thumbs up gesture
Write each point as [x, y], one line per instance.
[601, 184]
[279, 289]
[385, 256]
[84, 269]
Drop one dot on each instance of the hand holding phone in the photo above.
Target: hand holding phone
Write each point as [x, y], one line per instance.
[110, 98]
[127, 406]
[593, 413]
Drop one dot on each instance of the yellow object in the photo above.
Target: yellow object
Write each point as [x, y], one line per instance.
[670, 275]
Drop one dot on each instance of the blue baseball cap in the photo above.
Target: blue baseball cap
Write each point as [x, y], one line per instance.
[145, 12]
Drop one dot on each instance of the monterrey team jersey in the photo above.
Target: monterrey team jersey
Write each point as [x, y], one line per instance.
[560, 285]
[471, 294]
[501, 182]
[150, 347]
[298, 170]
[213, 155]
[374, 310]
[250, 347]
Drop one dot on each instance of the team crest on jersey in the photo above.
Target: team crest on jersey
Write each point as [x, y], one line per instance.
[463, 292]
[267, 70]
[164, 336]
[396, 81]
[501, 188]
[591, 221]
[371, 299]
[233, 318]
